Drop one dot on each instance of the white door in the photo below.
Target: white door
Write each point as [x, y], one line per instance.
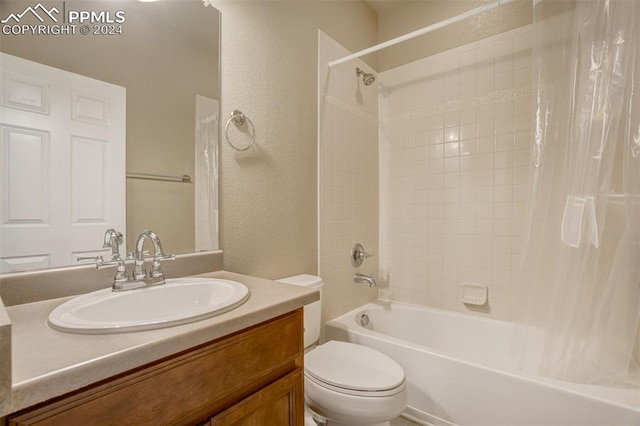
[62, 159]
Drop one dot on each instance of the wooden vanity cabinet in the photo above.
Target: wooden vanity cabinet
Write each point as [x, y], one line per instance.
[274, 405]
[253, 377]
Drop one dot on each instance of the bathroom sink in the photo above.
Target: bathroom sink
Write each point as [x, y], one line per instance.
[179, 301]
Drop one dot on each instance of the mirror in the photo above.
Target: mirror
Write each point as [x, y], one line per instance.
[143, 74]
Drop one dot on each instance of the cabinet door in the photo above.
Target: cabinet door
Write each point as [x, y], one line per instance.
[279, 404]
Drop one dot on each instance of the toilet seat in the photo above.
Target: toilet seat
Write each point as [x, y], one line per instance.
[354, 370]
[355, 392]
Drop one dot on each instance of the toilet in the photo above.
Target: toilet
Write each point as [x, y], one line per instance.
[346, 383]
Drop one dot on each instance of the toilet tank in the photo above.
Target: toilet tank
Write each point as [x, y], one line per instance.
[312, 311]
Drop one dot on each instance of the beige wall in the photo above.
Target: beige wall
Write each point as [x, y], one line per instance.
[348, 177]
[413, 15]
[268, 195]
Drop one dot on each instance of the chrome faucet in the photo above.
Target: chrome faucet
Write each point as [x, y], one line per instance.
[113, 239]
[140, 278]
[139, 270]
[363, 278]
[359, 255]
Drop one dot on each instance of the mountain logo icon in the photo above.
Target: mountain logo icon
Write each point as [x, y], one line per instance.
[38, 11]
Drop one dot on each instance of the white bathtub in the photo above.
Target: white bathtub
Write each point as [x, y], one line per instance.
[458, 372]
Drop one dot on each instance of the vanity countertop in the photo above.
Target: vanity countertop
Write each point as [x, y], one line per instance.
[47, 363]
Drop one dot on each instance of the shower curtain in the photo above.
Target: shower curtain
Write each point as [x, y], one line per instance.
[581, 272]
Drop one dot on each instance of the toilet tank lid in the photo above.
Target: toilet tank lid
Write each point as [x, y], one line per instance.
[303, 280]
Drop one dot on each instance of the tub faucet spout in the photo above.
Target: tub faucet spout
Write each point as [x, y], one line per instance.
[363, 278]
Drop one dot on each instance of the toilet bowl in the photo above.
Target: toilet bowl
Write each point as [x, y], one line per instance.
[349, 384]
[346, 383]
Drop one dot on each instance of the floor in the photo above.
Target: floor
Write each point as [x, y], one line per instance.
[401, 421]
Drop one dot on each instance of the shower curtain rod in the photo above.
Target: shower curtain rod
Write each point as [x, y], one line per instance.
[425, 30]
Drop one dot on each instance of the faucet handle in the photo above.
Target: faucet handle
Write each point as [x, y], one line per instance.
[132, 256]
[163, 256]
[98, 259]
[156, 267]
[359, 255]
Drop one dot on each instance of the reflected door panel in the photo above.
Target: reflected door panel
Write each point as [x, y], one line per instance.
[63, 150]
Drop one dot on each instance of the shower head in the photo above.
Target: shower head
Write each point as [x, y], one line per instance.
[367, 78]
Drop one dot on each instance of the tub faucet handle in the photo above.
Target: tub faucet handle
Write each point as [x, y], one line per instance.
[359, 255]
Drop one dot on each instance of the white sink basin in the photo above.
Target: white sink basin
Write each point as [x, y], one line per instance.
[179, 301]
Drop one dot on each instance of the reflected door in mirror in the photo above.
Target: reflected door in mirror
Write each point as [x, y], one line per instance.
[63, 150]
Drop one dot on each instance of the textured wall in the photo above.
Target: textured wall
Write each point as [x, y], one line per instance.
[411, 16]
[268, 195]
[348, 149]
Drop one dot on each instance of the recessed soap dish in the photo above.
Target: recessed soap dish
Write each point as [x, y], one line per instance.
[474, 294]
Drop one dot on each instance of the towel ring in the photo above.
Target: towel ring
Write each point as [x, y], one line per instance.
[238, 119]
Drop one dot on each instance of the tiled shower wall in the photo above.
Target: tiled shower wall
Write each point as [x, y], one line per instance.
[454, 138]
[347, 177]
